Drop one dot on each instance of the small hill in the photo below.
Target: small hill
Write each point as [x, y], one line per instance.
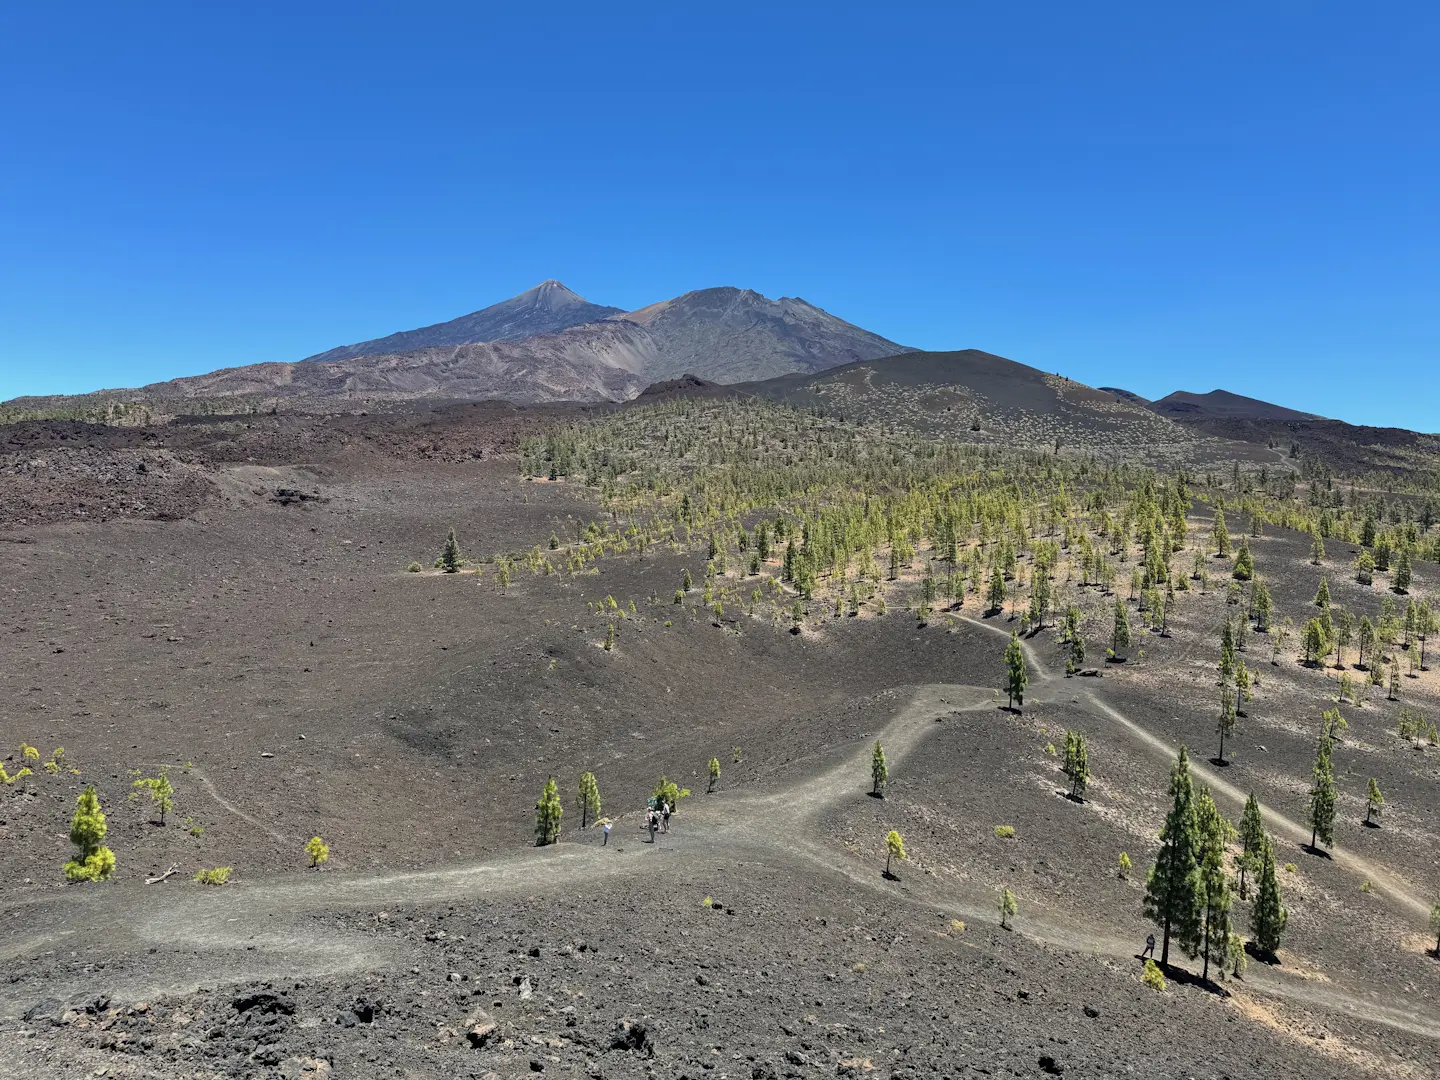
[978, 396]
[1126, 395]
[1224, 404]
[547, 308]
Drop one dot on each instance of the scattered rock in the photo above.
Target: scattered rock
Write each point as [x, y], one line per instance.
[632, 1035]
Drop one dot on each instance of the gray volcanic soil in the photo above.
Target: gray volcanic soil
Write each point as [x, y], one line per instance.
[433, 707]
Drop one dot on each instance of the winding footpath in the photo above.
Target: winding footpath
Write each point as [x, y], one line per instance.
[261, 929]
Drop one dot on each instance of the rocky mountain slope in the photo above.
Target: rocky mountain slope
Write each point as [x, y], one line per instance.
[723, 335]
[546, 309]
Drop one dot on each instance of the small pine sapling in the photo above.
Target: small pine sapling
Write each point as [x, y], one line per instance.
[548, 812]
[318, 851]
[93, 861]
[1374, 804]
[1008, 906]
[879, 770]
[894, 849]
[714, 774]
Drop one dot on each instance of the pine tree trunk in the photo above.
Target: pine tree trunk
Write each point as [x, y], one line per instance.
[1314, 831]
[1165, 946]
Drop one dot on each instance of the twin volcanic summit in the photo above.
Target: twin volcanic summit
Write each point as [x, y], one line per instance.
[549, 344]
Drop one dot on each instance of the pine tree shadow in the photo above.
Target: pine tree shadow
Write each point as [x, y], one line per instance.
[1314, 849]
[1070, 796]
[1184, 977]
[1267, 958]
[1220, 762]
[888, 876]
[876, 794]
[1370, 824]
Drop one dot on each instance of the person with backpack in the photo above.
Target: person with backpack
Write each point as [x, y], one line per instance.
[665, 817]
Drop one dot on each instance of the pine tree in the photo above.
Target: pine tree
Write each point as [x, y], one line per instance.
[1322, 794]
[1322, 594]
[1268, 916]
[1317, 550]
[1008, 906]
[995, 598]
[1120, 638]
[1172, 888]
[1374, 802]
[1244, 562]
[318, 851]
[1260, 606]
[1221, 534]
[1227, 652]
[1252, 835]
[1213, 831]
[1401, 582]
[548, 813]
[879, 771]
[93, 861]
[714, 774]
[588, 798]
[1225, 726]
[894, 849]
[450, 556]
[1365, 640]
[1365, 568]
[160, 791]
[1016, 676]
[1394, 688]
[1076, 764]
[1435, 926]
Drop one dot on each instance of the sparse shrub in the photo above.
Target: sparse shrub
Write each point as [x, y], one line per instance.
[218, 876]
[610, 638]
[957, 926]
[860, 967]
[1152, 976]
[1124, 865]
[414, 568]
[708, 902]
[93, 861]
[1291, 868]
[318, 851]
[1005, 832]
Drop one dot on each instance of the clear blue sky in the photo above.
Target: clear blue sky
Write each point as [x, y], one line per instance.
[1144, 195]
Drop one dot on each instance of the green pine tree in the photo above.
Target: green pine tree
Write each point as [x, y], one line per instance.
[93, 861]
[879, 771]
[995, 598]
[1016, 676]
[548, 813]
[1374, 802]
[588, 798]
[1322, 794]
[1173, 886]
[1120, 638]
[714, 774]
[1214, 831]
[450, 557]
[1322, 594]
[1076, 764]
[1268, 916]
[1401, 581]
[1252, 833]
[1244, 562]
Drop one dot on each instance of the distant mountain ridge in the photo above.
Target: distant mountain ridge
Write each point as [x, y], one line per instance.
[547, 344]
[1222, 404]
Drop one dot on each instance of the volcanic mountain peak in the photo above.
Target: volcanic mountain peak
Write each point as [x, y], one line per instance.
[546, 309]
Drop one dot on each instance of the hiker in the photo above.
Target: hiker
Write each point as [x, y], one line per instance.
[1149, 947]
[607, 834]
[650, 824]
[665, 817]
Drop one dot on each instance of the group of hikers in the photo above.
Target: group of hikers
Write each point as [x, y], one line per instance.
[657, 819]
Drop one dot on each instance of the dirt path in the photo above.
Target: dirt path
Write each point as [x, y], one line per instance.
[256, 922]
